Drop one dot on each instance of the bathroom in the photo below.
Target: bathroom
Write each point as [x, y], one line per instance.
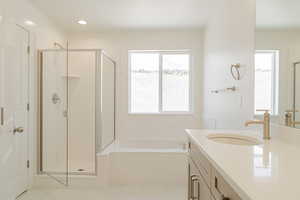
[121, 99]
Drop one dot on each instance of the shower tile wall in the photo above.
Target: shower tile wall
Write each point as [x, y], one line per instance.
[54, 123]
[82, 111]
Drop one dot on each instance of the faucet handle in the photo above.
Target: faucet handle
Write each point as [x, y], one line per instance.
[266, 112]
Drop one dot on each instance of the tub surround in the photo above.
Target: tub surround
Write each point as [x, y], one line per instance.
[146, 146]
[266, 171]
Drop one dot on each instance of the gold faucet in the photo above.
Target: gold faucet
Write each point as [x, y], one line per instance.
[265, 122]
[289, 118]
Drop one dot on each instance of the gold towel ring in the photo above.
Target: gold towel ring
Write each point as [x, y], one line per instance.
[236, 75]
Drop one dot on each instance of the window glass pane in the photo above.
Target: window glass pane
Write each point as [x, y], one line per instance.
[175, 82]
[264, 66]
[144, 82]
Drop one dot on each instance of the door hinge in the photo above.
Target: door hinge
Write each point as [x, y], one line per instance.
[28, 164]
[28, 49]
[28, 107]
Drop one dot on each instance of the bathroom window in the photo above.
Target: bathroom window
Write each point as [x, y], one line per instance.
[266, 81]
[159, 82]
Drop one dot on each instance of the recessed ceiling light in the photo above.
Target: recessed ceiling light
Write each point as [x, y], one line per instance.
[29, 23]
[82, 22]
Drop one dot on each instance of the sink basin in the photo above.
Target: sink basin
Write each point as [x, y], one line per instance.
[234, 139]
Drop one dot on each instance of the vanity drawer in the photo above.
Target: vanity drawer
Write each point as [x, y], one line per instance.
[220, 189]
[201, 162]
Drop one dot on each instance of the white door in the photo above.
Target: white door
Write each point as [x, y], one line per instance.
[14, 64]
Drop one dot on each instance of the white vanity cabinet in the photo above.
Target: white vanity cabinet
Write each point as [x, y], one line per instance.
[204, 181]
[198, 188]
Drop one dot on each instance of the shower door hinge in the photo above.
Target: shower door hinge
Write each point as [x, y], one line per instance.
[65, 113]
[2, 116]
[27, 106]
[28, 164]
[28, 49]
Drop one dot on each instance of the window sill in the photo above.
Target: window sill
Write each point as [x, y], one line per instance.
[261, 115]
[163, 114]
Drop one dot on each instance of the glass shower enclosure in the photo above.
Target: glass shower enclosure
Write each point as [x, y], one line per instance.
[76, 110]
[296, 95]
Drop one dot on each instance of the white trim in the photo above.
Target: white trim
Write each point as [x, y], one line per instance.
[178, 51]
[129, 81]
[162, 113]
[191, 83]
[160, 109]
[160, 84]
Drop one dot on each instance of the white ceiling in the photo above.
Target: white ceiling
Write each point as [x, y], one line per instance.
[128, 14]
[147, 14]
[278, 13]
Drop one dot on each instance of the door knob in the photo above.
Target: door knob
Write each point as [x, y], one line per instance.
[55, 98]
[18, 130]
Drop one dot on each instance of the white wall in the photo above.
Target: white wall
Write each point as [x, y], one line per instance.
[117, 44]
[229, 39]
[288, 43]
[42, 36]
[45, 32]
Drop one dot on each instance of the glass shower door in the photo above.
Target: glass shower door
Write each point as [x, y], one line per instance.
[54, 111]
[107, 99]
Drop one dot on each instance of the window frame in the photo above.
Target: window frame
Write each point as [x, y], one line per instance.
[160, 102]
[275, 81]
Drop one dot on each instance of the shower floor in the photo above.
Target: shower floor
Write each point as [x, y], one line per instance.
[74, 168]
[82, 167]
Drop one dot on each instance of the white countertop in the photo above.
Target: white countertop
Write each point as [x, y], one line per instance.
[270, 171]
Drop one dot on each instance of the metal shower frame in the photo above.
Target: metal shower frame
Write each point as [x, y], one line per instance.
[99, 58]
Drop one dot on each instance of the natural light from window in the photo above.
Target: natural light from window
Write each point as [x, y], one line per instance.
[159, 82]
[266, 81]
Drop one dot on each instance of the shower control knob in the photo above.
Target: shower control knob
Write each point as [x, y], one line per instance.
[55, 98]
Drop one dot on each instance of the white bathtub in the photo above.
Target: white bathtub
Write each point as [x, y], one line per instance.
[147, 146]
[158, 162]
